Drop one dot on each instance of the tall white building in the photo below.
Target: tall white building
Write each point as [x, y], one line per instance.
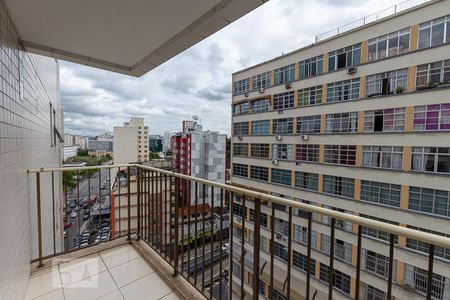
[130, 142]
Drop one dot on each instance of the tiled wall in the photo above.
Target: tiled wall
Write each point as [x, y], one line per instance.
[28, 84]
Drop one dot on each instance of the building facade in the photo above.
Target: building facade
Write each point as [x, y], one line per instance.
[31, 135]
[358, 123]
[156, 143]
[70, 151]
[131, 142]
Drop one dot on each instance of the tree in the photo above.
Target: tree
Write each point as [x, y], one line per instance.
[154, 155]
[68, 180]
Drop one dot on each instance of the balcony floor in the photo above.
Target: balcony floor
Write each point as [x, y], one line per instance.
[117, 273]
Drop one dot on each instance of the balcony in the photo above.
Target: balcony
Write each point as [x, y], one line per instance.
[153, 233]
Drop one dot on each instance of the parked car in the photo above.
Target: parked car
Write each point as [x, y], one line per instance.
[73, 215]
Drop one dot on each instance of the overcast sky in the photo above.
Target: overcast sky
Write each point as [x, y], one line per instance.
[198, 81]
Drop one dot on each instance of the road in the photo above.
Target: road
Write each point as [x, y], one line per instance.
[82, 191]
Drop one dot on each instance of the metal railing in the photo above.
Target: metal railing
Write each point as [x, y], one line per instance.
[189, 222]
[371, 18]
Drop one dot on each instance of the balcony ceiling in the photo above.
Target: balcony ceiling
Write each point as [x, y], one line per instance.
[125, 36]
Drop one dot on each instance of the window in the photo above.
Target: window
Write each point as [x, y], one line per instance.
[432, 117]
[387, 83]
[240, 149]
[372, 293]
[283, 126]
[240, 128]
[307, 152]
[237, 210]
[341, 281]
[434, 74]
[431, 201]
[344, 225]
[310, 67]
[260, 105]
[385, 157]
[282, 151]
[431, 159]
[310, 96]
[285, 74]
[424, 247]
[343, 90]
[341, 186]
[308, 124]
[345, 57]
[261, 81]
[375, 233]
[283, 100]
[280, 251]
[241, 108]
[260, 150]
[260, 127]
[390, 119]
[281, 176]
[276, 295]
[259, 173]
[388, 45]
[242, 86]
[380, 192]
[307, 181]
[300, 261]
[342, 250]
[342, 122]
[417, 278]
[340, 154]
[300, 234]
[240, 170]
[375, 263]
[434, 33]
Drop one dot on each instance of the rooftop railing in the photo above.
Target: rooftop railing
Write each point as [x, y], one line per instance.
[190, 223]
[371, 18]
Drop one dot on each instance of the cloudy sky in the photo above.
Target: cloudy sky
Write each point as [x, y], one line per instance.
[198, 81]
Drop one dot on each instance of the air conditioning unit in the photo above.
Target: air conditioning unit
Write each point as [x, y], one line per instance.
[408, 287]
[246, 94]
[351, 70]
[239, 219]
[305, 137]
[284, 238]
[280, 112]
[261, 90]
[275, 162]
[279, 137]
[288, 85]
[278, 236]
[239, 137]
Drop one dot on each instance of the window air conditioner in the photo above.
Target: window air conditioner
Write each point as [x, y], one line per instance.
[261, 90]
[279, 137]
[351, 70]
[239, 137]
[305, 137]
[246, 94]
[275, 162]
[280, 112]
[288, 85]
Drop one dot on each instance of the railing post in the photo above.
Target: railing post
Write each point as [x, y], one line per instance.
[129, 203]
[138, 191]
[308, 257]
[430, 271]
[39, 218]
[358, 263]
[256, 244]
[391, 265]
[177, 203]
[331, 266]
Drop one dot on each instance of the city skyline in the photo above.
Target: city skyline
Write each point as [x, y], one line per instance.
[197, 82]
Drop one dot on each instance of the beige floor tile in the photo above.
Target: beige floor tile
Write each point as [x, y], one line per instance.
[118, 255]
[81, 268]
[150, 287]
[55, 295]
[130, 271]
[171, 296]
[116, 295]
[91, 288]
[43, 284]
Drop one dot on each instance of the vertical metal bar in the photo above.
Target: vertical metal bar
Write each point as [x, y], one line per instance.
[67, 219]
[189, 230]
[391, 265]
[53, 212]
[230, 239]
[100, 200]
[331, 266]
[212, 245]
[39, 217]
[128, 204]
[203, 236]
[77, 208]
[171, 243]
[195, 231]
[289, 261]
[152, 202]
[144, 204]
[244, 216]
[89, 202]
[165, 215]
[272, 248]
[155, 212]
[160, 231]
[149, 212]
[220, 243]
[256, 247]
[138, 198]
[154, 196]
[176, 242]
[182, 199]
[308, 257]
[430, 271]
[358, 262]
[120, 204]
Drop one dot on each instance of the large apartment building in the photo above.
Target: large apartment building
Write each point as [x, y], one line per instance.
[358, 123]
[130, 142]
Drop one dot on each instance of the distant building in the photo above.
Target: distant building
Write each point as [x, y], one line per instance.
[131, 142]
[100, 153]
[96, 145]
[200, 154]
[75, 140]
[105, 137]
[69, 152]
[167, 144]
[156, 143]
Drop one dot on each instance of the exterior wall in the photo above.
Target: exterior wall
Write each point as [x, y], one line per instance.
[100, 145]
[125, 145]
[29, 91]
[70, 152]
[406, 258]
